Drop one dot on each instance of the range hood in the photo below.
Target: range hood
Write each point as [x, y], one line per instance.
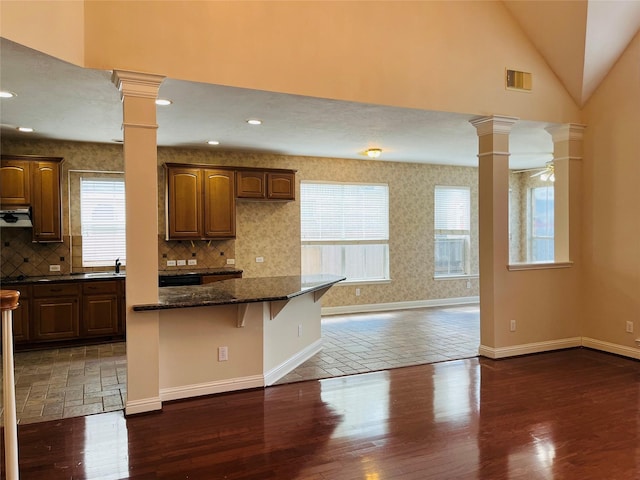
[17, 217]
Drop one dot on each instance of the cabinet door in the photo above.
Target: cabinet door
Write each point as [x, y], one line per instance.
[47, 224]
[219, 203]
[15, 185]
[21, 314]
[99, 315]
[56, 318]
[281, 186]
[184, 203]
[251, 185]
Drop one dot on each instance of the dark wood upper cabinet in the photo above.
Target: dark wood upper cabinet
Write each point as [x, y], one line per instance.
[200, 202]
[266, 184]
[34, 181]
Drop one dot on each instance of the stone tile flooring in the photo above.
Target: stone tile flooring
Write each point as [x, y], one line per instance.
[367, 342]
[71, 382]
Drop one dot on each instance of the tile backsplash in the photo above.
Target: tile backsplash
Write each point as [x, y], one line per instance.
[20, 256]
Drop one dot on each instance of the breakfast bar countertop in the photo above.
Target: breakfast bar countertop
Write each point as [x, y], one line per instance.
[240, 290]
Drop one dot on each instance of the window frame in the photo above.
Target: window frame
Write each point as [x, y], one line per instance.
[346, 243]
[448, 234]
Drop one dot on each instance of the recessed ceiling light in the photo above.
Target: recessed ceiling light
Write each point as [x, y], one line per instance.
[163, 102]
[254, 121]
[25, 129]
[5, 94]
[213, 142]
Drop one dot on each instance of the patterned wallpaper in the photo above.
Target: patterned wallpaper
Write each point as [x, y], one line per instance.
[272, 230]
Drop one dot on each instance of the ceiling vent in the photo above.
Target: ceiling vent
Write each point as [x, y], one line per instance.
[516, 80]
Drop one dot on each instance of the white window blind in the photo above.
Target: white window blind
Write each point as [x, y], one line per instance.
[541, 241]
[345, 230]
[102, 217]
[452, 225]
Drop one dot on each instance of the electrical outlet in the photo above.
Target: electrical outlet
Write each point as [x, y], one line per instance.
[171, 263]
[629, 327]
[468, 283]
[357, 292]
[299, 330]
[181, 263]
[231, 261]
[512, 326]
[54, 268]
[259, 259]
[192, 261]
[223, 354]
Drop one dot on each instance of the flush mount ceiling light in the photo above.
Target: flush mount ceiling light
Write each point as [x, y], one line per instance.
[213, 142]
[254, 121]
[163, 102]
[373, 152]
[25, 129]
[5, 94]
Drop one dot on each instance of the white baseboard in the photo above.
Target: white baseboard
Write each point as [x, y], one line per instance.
[527, 348]
[209, 388]
[142, 406]
[611, 347]
[298, 359]
[384, 307]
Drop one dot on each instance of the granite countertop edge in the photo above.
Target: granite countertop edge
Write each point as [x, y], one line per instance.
[216, 294]
[102, 276]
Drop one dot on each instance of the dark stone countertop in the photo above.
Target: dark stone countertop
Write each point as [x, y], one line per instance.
[98, 276]
[239, 290]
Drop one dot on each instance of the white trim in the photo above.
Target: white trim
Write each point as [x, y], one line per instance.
[144, 405]
[209, 388]
[290, 364]
[382, 307]
[611, 347]
[527, 348]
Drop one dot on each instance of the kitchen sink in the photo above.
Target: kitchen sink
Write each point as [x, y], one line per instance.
[103, 275]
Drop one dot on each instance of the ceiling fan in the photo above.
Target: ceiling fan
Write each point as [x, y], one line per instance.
[545, 173]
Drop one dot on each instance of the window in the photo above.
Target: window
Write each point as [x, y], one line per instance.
[345, 230]
[452, 224]
[102, 217]
[541, 227]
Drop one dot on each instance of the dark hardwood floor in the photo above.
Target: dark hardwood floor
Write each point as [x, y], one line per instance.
[566, 415]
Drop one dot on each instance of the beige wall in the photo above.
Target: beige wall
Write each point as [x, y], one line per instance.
[611, 229]
[390, 53]
[272, 230]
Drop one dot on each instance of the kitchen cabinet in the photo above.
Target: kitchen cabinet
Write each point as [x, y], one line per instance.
[15, 184]
[56, 312]
[259, 184]
[100, 308]
[34, 181]
[200, 202]
[21, 314]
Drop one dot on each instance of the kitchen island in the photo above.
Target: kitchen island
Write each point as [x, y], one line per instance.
[231, 335]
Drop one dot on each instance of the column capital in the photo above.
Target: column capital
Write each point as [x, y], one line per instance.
[493, 124]
[566, 131]
[136, 84]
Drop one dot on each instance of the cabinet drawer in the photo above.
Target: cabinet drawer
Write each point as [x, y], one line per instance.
[56, 290]
[90, 288]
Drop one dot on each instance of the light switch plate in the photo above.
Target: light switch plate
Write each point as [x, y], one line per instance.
[192, 261]
[171, 263]
[231, 261]
[181, 263]
[54, 268]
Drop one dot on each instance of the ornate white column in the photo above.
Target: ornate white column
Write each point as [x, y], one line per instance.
[567, 157]
[139, 92]
[493, 201]
[9, 302]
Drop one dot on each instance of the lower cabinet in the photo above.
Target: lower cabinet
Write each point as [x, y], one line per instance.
[100, 312]
[56, 312]
[68, 312]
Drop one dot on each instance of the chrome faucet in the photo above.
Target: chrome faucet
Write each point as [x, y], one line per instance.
[118, 265]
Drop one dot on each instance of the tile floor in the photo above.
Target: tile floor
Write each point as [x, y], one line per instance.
[367, 342]
[71, 382]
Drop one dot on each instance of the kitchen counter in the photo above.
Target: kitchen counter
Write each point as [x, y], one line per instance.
[97, 276]
[239, 290]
